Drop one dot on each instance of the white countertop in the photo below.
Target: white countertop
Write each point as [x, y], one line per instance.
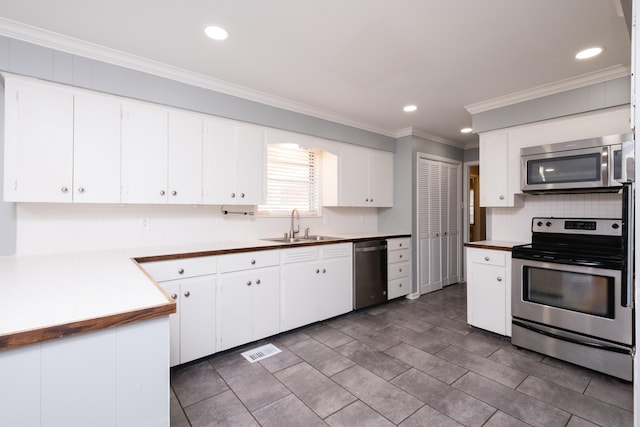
[41, 291]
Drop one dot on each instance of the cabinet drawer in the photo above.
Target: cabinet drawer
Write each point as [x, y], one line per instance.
[180, 268]
[399, 287]
[395, 271]
[488, 257]
[400, 255]
[400, 243]
[249, 260]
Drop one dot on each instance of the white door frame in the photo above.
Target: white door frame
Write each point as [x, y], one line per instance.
[465, 212]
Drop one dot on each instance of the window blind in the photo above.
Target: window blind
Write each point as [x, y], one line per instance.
[292, 181]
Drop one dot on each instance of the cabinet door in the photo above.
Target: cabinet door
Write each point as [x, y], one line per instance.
[235, 307]
[219, 162]
[39, 143]
[353, 176]
[494, 168]
[96, 149]
[266, 302]
[380, 178]
[250, 167]
[487, 297]
[300, 283]
[335, 288]
[144, 154]
[173, 289]
[197, 318]
[185, 158]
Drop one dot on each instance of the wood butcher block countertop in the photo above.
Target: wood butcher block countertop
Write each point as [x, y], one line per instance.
[497, 245]
[58, 295]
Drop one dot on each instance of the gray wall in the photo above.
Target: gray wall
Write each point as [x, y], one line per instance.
[401, 218]
[472, 154]
[32, 60]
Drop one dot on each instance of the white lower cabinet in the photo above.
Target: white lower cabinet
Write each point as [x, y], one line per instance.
[192, 283]
[249, 306]
[398, 267]
[489, 290]
[316, 283]
[249, 298]
[193, 325]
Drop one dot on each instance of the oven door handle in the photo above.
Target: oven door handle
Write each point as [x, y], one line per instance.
[626, 297]
[587, 343]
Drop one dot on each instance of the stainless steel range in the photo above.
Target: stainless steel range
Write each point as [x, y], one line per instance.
[571, 293]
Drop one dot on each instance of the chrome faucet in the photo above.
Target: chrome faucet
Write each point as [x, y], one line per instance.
[292, 232]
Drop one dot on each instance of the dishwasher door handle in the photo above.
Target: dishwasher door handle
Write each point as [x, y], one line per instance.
[371, 248]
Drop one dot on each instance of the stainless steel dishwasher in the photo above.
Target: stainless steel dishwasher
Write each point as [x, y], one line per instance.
[369, 273]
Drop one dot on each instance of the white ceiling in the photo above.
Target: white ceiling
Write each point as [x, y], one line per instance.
[356, 61]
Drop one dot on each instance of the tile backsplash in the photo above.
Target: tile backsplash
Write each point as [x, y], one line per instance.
[514, 224]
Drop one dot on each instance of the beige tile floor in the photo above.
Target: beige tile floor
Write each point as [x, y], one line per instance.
[407, 363]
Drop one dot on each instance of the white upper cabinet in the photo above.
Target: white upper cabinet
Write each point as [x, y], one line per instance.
[358, 176]
[494, 167]
[185, 158]
[144, 154]
[96, 149]
[233, 163]
[38, 142]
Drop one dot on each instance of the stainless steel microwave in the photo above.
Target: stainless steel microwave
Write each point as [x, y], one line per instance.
[595, 163]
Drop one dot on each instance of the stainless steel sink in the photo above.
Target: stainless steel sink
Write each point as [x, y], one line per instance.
[303, 239]
[318, 238]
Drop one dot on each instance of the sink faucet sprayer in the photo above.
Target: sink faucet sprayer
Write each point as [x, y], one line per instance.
[292, 232]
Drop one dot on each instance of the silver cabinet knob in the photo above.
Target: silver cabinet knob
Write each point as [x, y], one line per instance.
[400, 256]
[187, 294]
[324, 270]
[233, 195]
[64, 189]
[400, 245]
[174, 193]
[501, 197]
[253, 262]
[258, 282]
[174, 296]
[242, 195]
[486, 258]
[371, 200]
[317, 271]
[445, 233]
[181, 271]
[162, 192]
[81, 190]
[248, 282]
[499, 279]
[400, 270]
[399, 285]
[437, 234]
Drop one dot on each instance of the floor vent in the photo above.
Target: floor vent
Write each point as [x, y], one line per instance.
[261, 352]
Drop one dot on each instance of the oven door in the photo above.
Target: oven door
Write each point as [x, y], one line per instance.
[580, 299]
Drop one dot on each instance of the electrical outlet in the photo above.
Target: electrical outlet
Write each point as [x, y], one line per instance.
[144, 223]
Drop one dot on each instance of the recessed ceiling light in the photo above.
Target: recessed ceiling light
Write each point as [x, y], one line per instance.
[410, 108]
[589, 53]
[466, 130]
[216, 33]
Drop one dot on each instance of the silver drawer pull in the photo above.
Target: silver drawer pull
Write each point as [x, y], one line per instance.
[253, 262]
[162, 193]
[81, 190]
[174, 193]
[400, 256]
[187, 294]
[64, 189]
[499, 279]
[258, 282]
[181, 271]
[317, 270]
[248, 282]
[324, 270]
[486, 258]
[501, 197]
[174, 296]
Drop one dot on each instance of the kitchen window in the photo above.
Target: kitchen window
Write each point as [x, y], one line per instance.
[292, 181]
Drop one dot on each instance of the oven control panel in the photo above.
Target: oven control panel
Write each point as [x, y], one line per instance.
[595, 226]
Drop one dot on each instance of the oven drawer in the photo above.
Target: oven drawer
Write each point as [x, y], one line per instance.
[488, 257]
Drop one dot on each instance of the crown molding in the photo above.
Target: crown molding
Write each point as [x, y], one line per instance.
[57, 41]
[599, 76]
[412, 131]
